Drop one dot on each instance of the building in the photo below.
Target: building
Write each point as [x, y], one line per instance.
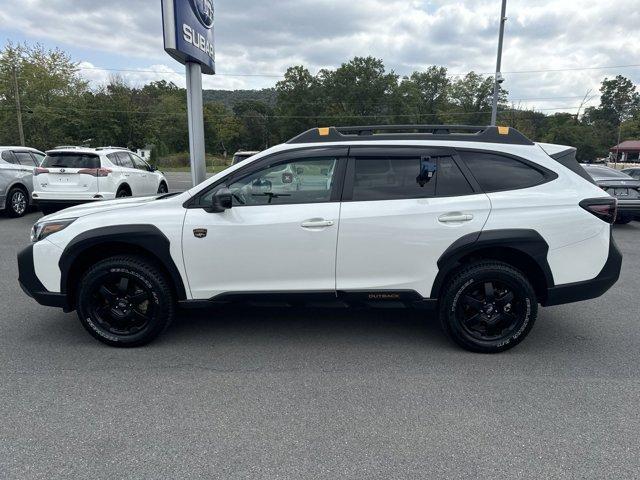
[628, 152]
[144, 153]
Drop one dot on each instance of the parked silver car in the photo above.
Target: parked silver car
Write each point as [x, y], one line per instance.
[16, 178]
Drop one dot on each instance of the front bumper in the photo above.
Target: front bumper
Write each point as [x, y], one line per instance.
[32, 286]
[589, 289]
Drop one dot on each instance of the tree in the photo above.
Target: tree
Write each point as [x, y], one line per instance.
[619, 99]
[49, 89]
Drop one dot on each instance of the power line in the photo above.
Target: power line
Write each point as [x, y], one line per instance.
[274, 75]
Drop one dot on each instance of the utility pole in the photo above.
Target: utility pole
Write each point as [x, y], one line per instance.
[499, 79]
[18, 108]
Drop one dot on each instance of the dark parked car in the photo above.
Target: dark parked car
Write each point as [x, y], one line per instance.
[620, 185]
[242, 155]
[632, 172]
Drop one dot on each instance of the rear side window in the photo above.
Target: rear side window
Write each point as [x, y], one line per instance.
[71, 160]
[497, 173]
[395, 178]
[39, 157]
[25, 158]
[125, 160]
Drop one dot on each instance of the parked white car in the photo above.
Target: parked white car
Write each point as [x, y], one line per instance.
[72, 176]
[477, 223]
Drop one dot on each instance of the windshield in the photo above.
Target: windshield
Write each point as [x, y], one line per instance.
[606, 173]
[71, 160]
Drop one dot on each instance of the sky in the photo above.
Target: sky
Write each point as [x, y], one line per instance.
[257, 40]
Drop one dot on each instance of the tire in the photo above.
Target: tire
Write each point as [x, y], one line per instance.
[162, 189]
[17, 203]
[123, 193]
[125, 301]
[488, 307]
[623, 219]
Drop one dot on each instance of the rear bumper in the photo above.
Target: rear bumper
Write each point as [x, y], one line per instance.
[32, 286]
[60, 204]
[594, 288]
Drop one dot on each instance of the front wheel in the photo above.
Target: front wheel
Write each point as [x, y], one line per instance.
[125, 301]
[488, 307]
[162, 189]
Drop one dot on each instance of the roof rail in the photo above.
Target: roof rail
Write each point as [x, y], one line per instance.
[464, 133]
[113, 148]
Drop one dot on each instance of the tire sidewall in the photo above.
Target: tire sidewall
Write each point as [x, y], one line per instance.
[161, 304]
[453, 325]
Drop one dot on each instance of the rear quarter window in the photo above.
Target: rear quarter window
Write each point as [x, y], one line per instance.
[495, 172]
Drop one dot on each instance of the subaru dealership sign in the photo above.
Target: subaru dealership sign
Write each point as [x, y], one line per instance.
[188, 32]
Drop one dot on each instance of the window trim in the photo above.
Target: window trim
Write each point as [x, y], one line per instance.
[340, 153]
[371, 151]
[548, 175]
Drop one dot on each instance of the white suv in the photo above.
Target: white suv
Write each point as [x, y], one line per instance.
[478, 223]
[75, 175]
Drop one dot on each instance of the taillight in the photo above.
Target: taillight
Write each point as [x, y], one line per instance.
[605, 209]
[95, 172]
[40, 170]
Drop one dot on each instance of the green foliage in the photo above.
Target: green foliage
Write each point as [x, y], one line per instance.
[59, 108]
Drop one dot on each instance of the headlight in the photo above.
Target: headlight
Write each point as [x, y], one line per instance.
[42, 230]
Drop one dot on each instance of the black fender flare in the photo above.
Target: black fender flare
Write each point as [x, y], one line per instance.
[527, 242]
[146, 237]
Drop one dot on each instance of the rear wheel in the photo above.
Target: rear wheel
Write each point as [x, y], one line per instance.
[488, 307]
[17, 202]
[123, 193]
[125, 301]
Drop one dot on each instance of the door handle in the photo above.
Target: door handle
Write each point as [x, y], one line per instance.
[317, 223]
[455, 217]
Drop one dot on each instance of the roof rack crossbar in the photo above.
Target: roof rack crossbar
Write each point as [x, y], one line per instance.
[466, 133]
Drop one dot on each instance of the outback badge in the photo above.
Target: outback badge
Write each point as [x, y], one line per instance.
[200, 232]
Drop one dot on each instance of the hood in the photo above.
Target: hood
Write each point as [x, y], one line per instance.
[99, 207]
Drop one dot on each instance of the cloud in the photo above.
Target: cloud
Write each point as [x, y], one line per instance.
[266, 37]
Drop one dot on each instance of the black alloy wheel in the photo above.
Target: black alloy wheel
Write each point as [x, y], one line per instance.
[488, 307]
[125, 301]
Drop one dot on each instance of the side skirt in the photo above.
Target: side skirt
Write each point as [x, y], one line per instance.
[375, 299]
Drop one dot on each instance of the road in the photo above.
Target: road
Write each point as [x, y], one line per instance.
[274, 393]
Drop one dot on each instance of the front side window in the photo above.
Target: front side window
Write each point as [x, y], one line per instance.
[395, 178]
[139, 163]
[497, 173]
[306, 180]
[39, 157]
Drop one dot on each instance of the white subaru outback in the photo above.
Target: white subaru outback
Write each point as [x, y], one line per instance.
[73, 175]
[478, 223]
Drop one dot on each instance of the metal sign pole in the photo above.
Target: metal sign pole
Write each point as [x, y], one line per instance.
[196, 122]
[498, 79]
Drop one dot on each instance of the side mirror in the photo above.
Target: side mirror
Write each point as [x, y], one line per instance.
[222, 200]
[153, 168]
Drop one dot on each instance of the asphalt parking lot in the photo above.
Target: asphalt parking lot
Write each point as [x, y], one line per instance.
[274, 393]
